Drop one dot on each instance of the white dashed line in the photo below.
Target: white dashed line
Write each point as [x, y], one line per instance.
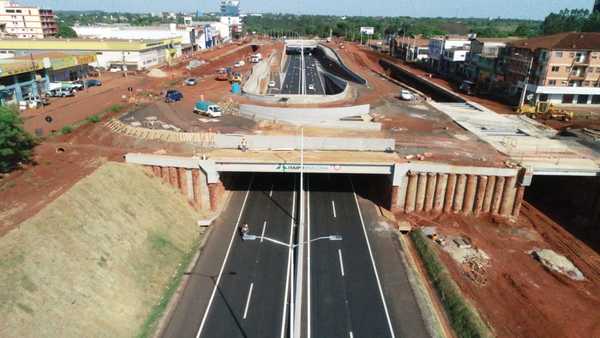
[341, 262]
[248, 300]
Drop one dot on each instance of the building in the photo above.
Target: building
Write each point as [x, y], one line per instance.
[29, 75]
[230, 8]
[26, 22]
[409, 48]
[132, 54]
[485, 62]
[448, 53]
[562, 69]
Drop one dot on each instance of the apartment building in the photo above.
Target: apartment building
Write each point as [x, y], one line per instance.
[26, 22]
[485, 61]
[448, 53]
[563, 69]
[409, 48]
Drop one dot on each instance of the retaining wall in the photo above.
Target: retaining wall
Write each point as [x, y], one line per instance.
[460, 193]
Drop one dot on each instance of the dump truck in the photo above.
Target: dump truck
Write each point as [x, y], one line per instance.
[208, 108]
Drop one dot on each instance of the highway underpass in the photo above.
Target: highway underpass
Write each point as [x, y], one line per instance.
[250, 288]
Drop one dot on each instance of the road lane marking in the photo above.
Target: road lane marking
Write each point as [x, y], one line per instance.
[248, 300]
[362, 222]
[235, 231]
[289, 269]
[341, 262]
[351, 334]
[262, 235]
[333, 208]
[271, 192]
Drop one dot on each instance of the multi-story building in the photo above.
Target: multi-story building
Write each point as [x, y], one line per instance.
[411, 49]
[230, 16]
[230, 8]
[485, 61]
[562, 69]
[448, 54]
[26, 22]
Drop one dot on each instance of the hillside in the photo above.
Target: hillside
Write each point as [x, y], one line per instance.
[95, 261]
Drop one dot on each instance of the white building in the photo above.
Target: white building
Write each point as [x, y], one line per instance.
[446, 52]
[26, 22]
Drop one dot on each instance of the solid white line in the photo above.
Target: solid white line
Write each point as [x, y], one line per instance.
[387, 314]
[333, 208]
[262, 235]
[308, 306]
[235, 230]
[289, 268]
[275, 241]
[248, 300]
[351, 334]
[341, 262]
[271, 192]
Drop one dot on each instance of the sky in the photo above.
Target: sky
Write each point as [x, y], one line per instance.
[530, 9]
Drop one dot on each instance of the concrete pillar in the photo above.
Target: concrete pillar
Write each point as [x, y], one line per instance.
[394, 198]
[508, 198]
[189, 185]
[470, 191]
[173, 176]
[196, 187]
[498, 192]
[421, 189]
[156, 171]
[430, 192]
[204, 192]
[411, 193]
[518, 201]
[440, 193]
[449, 198]
[402, 193]
[489, 194]
[215, 190]
[180, 178]
[459, 194]
[480, 196]
[161, 172]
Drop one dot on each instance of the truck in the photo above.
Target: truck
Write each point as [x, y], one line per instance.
[208, 108]
[222, 74]
[256, 58]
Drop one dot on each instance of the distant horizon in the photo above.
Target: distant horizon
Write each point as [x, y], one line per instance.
[462, 9]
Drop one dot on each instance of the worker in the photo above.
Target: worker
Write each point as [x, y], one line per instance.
[243, 144]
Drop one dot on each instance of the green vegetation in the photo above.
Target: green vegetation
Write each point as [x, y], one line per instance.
[15, 143]
[464, 319]
[86, 18]
[348, 27]
[66, 129]
[93, 119]
[65, 31]
[121, 237]
[578, 20]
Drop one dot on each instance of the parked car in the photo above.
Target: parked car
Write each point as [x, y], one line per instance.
[406, 95]
[61, 92]
[173, 96]
[240, 63]
[117, 69]
[93, 83]
[77, 85]
[190, 81]
[272, 84]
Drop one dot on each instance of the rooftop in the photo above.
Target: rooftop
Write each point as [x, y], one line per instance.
[561, 41]
[84, 44]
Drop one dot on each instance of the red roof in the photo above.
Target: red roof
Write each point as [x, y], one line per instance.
[562, 41]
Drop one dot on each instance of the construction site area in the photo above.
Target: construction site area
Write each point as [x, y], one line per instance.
[509, 201]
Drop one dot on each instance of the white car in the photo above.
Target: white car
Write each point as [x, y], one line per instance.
[272, 84]
[406, 95]
[239, 64]
[311, 87]
[190, 82]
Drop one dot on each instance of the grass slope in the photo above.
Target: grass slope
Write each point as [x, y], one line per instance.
[95, 261]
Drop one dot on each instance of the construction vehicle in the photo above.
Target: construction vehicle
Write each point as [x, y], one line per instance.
[235, 77]
[208, 108]
[545, 111]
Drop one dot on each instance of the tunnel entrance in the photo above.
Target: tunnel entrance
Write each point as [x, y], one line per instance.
[573, 202]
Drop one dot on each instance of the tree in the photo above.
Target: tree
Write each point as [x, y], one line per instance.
[15, 143]
[592, 24]
[65, 31]
[565, 21]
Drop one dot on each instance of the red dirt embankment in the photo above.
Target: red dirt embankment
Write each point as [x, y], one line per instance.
[521, 297]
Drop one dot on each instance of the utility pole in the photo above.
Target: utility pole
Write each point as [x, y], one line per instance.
[525, 85]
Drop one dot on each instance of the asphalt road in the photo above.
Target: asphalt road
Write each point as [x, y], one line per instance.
[344, 293]
[348, 290]
[293, 83]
